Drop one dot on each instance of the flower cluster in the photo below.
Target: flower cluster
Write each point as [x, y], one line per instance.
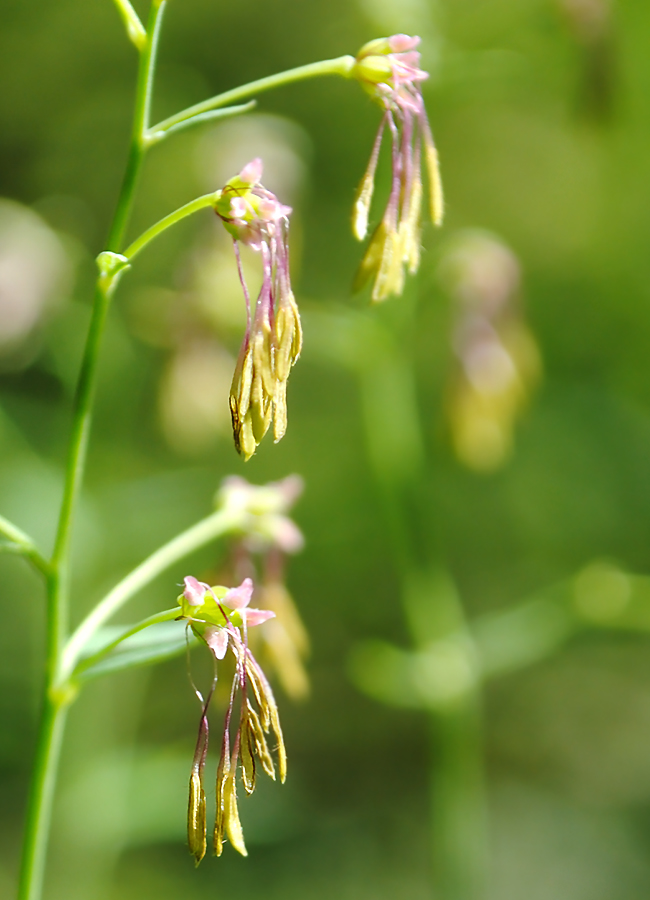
[221, 617]
[273, 340]
[388, 69]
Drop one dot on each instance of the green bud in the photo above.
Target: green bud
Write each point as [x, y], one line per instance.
[374, 69]
[378, 45]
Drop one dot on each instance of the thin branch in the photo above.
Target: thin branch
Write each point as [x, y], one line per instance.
[216, 525]
[134, 27]
[154, 137]
[342, 65]
[19, 542]
[193, 206]
[167, 616]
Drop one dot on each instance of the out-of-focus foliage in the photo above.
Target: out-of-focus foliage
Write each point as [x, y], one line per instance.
[540, 113]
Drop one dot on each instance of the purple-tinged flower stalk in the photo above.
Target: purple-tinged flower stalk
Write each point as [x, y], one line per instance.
[388, 69]
[221, 617]
[273, 340]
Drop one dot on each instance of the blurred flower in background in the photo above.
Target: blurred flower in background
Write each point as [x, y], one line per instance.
[589, 19]
[591, 25]
[261, 554]
[499, 363]
[35, 276]
[194, 395]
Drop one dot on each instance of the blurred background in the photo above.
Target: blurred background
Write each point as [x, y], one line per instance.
[516, 446]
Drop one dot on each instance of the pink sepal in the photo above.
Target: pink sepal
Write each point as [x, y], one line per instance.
[239, 597]
[256, 616]
[217, 640]
[400, 43]
[252, 171]
[194, 591]
[286, 534]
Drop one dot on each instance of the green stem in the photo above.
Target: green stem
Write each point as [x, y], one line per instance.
[141, 113]
[432, 606]
[134, 28]
[58, 618]
[23, 544]
[165, 223]
[218, 524]
[39, 812]
[56, 697]
[167, 615]
[342, 65]
[210, 116]
[458, 805]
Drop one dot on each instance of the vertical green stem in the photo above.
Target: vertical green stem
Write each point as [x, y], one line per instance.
[397, 455]
[458, 803]
[39, 812]
[59, 583]
[141, 117]
[55, 702]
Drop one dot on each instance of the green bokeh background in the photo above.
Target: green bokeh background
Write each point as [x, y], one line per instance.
[543, 135]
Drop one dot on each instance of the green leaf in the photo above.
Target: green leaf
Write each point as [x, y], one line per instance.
[151, 645]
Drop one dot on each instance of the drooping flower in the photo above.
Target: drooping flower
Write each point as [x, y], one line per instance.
[221, 617]
[273, 340]
[388, 69]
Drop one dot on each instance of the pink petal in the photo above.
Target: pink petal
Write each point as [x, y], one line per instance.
[252, 172]
[256, 616]
[290, 488]
[399, 43]
[217, 640]
[270, 209]
[239, 597]
[194, 590]
[286, 534]
[238, 207]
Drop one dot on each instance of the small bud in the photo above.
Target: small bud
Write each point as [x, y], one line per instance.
[374, 47]
[374, 70]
